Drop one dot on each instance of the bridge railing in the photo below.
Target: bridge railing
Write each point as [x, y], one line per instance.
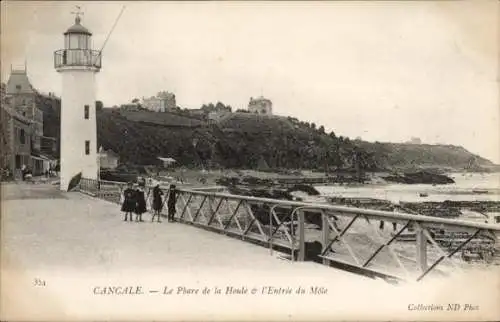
[399, 245]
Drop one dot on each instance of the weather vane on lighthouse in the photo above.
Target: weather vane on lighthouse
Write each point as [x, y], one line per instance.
[77, 13]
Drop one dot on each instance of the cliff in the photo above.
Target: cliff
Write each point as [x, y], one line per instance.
[251, 141]
[418, 156]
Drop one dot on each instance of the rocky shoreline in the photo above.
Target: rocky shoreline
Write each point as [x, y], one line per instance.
[420, 177]
[416, 177]
[283, 189]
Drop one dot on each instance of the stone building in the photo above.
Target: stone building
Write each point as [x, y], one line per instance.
[16, 140]
[163, 101]
[22, 126]
[260, 105]
[22, 97]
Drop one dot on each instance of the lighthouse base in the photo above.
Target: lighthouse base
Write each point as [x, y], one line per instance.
[70, 180]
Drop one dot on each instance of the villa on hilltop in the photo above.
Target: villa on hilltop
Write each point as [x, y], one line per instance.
[260, 105]
[162, 102]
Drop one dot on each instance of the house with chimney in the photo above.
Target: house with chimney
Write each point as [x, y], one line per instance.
[22, 126]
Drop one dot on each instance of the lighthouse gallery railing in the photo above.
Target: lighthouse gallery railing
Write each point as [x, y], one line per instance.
[77, 57]
[413, 248]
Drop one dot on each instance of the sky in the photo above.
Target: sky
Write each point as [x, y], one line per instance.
[382, 71]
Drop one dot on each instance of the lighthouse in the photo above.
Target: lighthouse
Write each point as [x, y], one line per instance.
[78, 65]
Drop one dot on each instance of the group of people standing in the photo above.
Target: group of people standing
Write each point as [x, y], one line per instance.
[134, 201]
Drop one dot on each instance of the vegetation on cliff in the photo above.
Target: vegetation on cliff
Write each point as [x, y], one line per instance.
[245, 140]
[408, 156]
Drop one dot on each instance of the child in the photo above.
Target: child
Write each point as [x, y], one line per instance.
[157, 202]
[128, 205]
[140, 205]
[171, 203]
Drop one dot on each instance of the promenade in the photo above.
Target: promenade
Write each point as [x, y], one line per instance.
[60, 249]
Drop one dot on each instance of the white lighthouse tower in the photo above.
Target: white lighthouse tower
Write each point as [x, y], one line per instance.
[78, 64]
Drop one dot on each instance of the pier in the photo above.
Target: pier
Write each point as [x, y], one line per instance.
[71, 255]
[350, 238]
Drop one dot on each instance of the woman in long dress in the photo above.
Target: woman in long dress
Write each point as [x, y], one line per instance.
[128, 205]
[157, 202]
[140, 206]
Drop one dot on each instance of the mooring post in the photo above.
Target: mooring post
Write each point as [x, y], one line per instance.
[302, 237]
[325, 234]
[421, 248]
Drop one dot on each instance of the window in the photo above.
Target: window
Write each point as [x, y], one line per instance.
[83, 41]
[86, 108]
[87, 147]
[73, 41]
[22, 136]
[18, 87]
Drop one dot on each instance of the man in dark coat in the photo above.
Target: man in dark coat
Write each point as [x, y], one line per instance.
[171, 203]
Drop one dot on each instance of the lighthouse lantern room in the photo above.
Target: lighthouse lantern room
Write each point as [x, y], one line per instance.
[78, 64]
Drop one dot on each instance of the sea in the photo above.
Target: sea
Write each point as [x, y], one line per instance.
[480, 187]
[467, 187]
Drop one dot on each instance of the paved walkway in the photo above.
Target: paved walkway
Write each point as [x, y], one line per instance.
[58, 247]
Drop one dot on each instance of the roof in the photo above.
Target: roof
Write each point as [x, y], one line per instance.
[107, 152]
[167, 159]
[43, 157]
[48, 138]
[77, 28]
[260, 98]
[19, 83]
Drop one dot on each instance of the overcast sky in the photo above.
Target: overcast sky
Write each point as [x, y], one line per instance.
[383, 71]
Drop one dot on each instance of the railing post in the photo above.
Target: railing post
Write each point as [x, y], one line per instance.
[271, 209]
[302, 244]
[421, 248]
[294, 236]
[325, 234]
